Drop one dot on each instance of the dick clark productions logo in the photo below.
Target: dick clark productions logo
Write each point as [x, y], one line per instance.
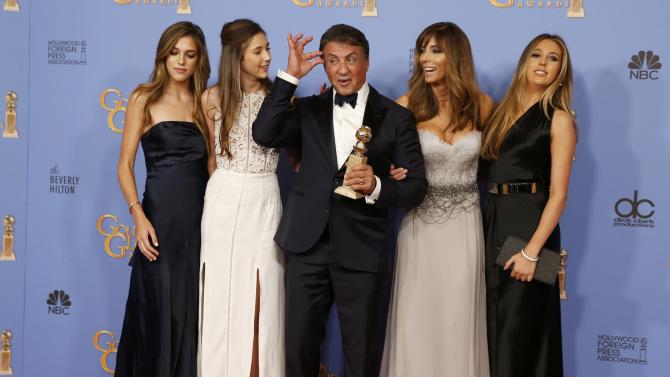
[634, 212]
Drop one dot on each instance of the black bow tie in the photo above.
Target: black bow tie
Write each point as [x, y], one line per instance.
[350, 99]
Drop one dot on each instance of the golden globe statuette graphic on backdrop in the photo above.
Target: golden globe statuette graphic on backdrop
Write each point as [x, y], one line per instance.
[107, 350]
[6, 353]
[10, 116]
[370, 8]
[357, 157]
[576, 9]
[118, 104]
[7, 254]
[11, 6]
[119, 235]
[184, 7]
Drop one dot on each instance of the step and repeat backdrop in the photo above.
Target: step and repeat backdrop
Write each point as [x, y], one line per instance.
[67, 69]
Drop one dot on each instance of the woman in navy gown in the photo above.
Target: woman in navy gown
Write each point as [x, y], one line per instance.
[527, 152]
[159, 336]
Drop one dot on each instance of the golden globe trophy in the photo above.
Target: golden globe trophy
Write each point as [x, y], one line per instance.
[357, 157]
[6, 353]
[370, 8]
[10, 116]
[7, 254]
[561, 274]
[12, 6]
[576, 9]
[184, 7]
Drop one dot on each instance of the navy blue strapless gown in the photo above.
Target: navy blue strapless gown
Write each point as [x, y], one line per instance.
[159, 336]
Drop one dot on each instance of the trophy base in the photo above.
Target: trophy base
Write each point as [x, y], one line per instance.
[10, 258]
[186, 10]
[576, 14]
[10, 135]
[11, 8]
[348, 192]
[6, 372]
[370, 13]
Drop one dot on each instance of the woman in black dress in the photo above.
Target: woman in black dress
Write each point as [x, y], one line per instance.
[527, 153]
[159, 336]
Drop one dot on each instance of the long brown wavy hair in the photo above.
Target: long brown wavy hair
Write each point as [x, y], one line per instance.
[460, 78]
[558, 95]
[160, 77]
[235, 37]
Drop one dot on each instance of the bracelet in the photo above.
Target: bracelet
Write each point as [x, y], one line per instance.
[528, 258]
[132, 204]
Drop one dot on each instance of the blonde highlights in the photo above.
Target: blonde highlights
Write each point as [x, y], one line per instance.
[460, 78]
[558, 95]
[160, 77]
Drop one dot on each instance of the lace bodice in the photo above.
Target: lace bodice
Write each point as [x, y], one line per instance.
[451, 171]
[248, 157]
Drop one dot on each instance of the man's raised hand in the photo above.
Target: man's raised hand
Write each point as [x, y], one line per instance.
[299, 62]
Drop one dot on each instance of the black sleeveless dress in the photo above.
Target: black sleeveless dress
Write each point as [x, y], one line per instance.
[523, 319]
[159, 335]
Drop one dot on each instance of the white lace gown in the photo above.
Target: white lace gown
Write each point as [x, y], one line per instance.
[241, 214]
[437, 318]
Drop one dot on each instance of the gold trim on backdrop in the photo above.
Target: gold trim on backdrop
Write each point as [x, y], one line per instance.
[576, 9]
[111, 348]
[184, 7]
[10, 116]
[7, 253]
[118, 105]
[125, 232]
[370, 9]
[6, 353]
[11, 6]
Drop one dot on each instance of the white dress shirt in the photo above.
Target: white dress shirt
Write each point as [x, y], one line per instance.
[346, 121]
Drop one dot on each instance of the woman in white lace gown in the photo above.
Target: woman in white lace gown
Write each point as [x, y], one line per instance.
[241, 271]
[437, 318]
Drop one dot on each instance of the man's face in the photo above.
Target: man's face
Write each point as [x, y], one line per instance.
[346, 66]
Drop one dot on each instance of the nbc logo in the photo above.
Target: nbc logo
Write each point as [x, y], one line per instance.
[59, 302]
[645, 65]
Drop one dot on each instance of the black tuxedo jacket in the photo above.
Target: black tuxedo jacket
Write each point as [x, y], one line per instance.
[359, 232]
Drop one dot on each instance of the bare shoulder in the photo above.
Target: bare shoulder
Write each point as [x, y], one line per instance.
[138, 99]
[210, 96]
[403, 100]
[485, 106]
[563, 127]
[562, 119]
[210, 101]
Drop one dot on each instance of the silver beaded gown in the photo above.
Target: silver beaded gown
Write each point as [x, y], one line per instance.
[437, 317]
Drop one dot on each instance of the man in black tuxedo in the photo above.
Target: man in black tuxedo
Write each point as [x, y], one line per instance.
[337, 247]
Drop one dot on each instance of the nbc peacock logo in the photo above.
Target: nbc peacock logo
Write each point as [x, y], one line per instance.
[645, 65]
[59, 302]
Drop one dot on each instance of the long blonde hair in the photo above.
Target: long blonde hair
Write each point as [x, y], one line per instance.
[235, 37]
[460, 78]
[558, 95]
[160, 77]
